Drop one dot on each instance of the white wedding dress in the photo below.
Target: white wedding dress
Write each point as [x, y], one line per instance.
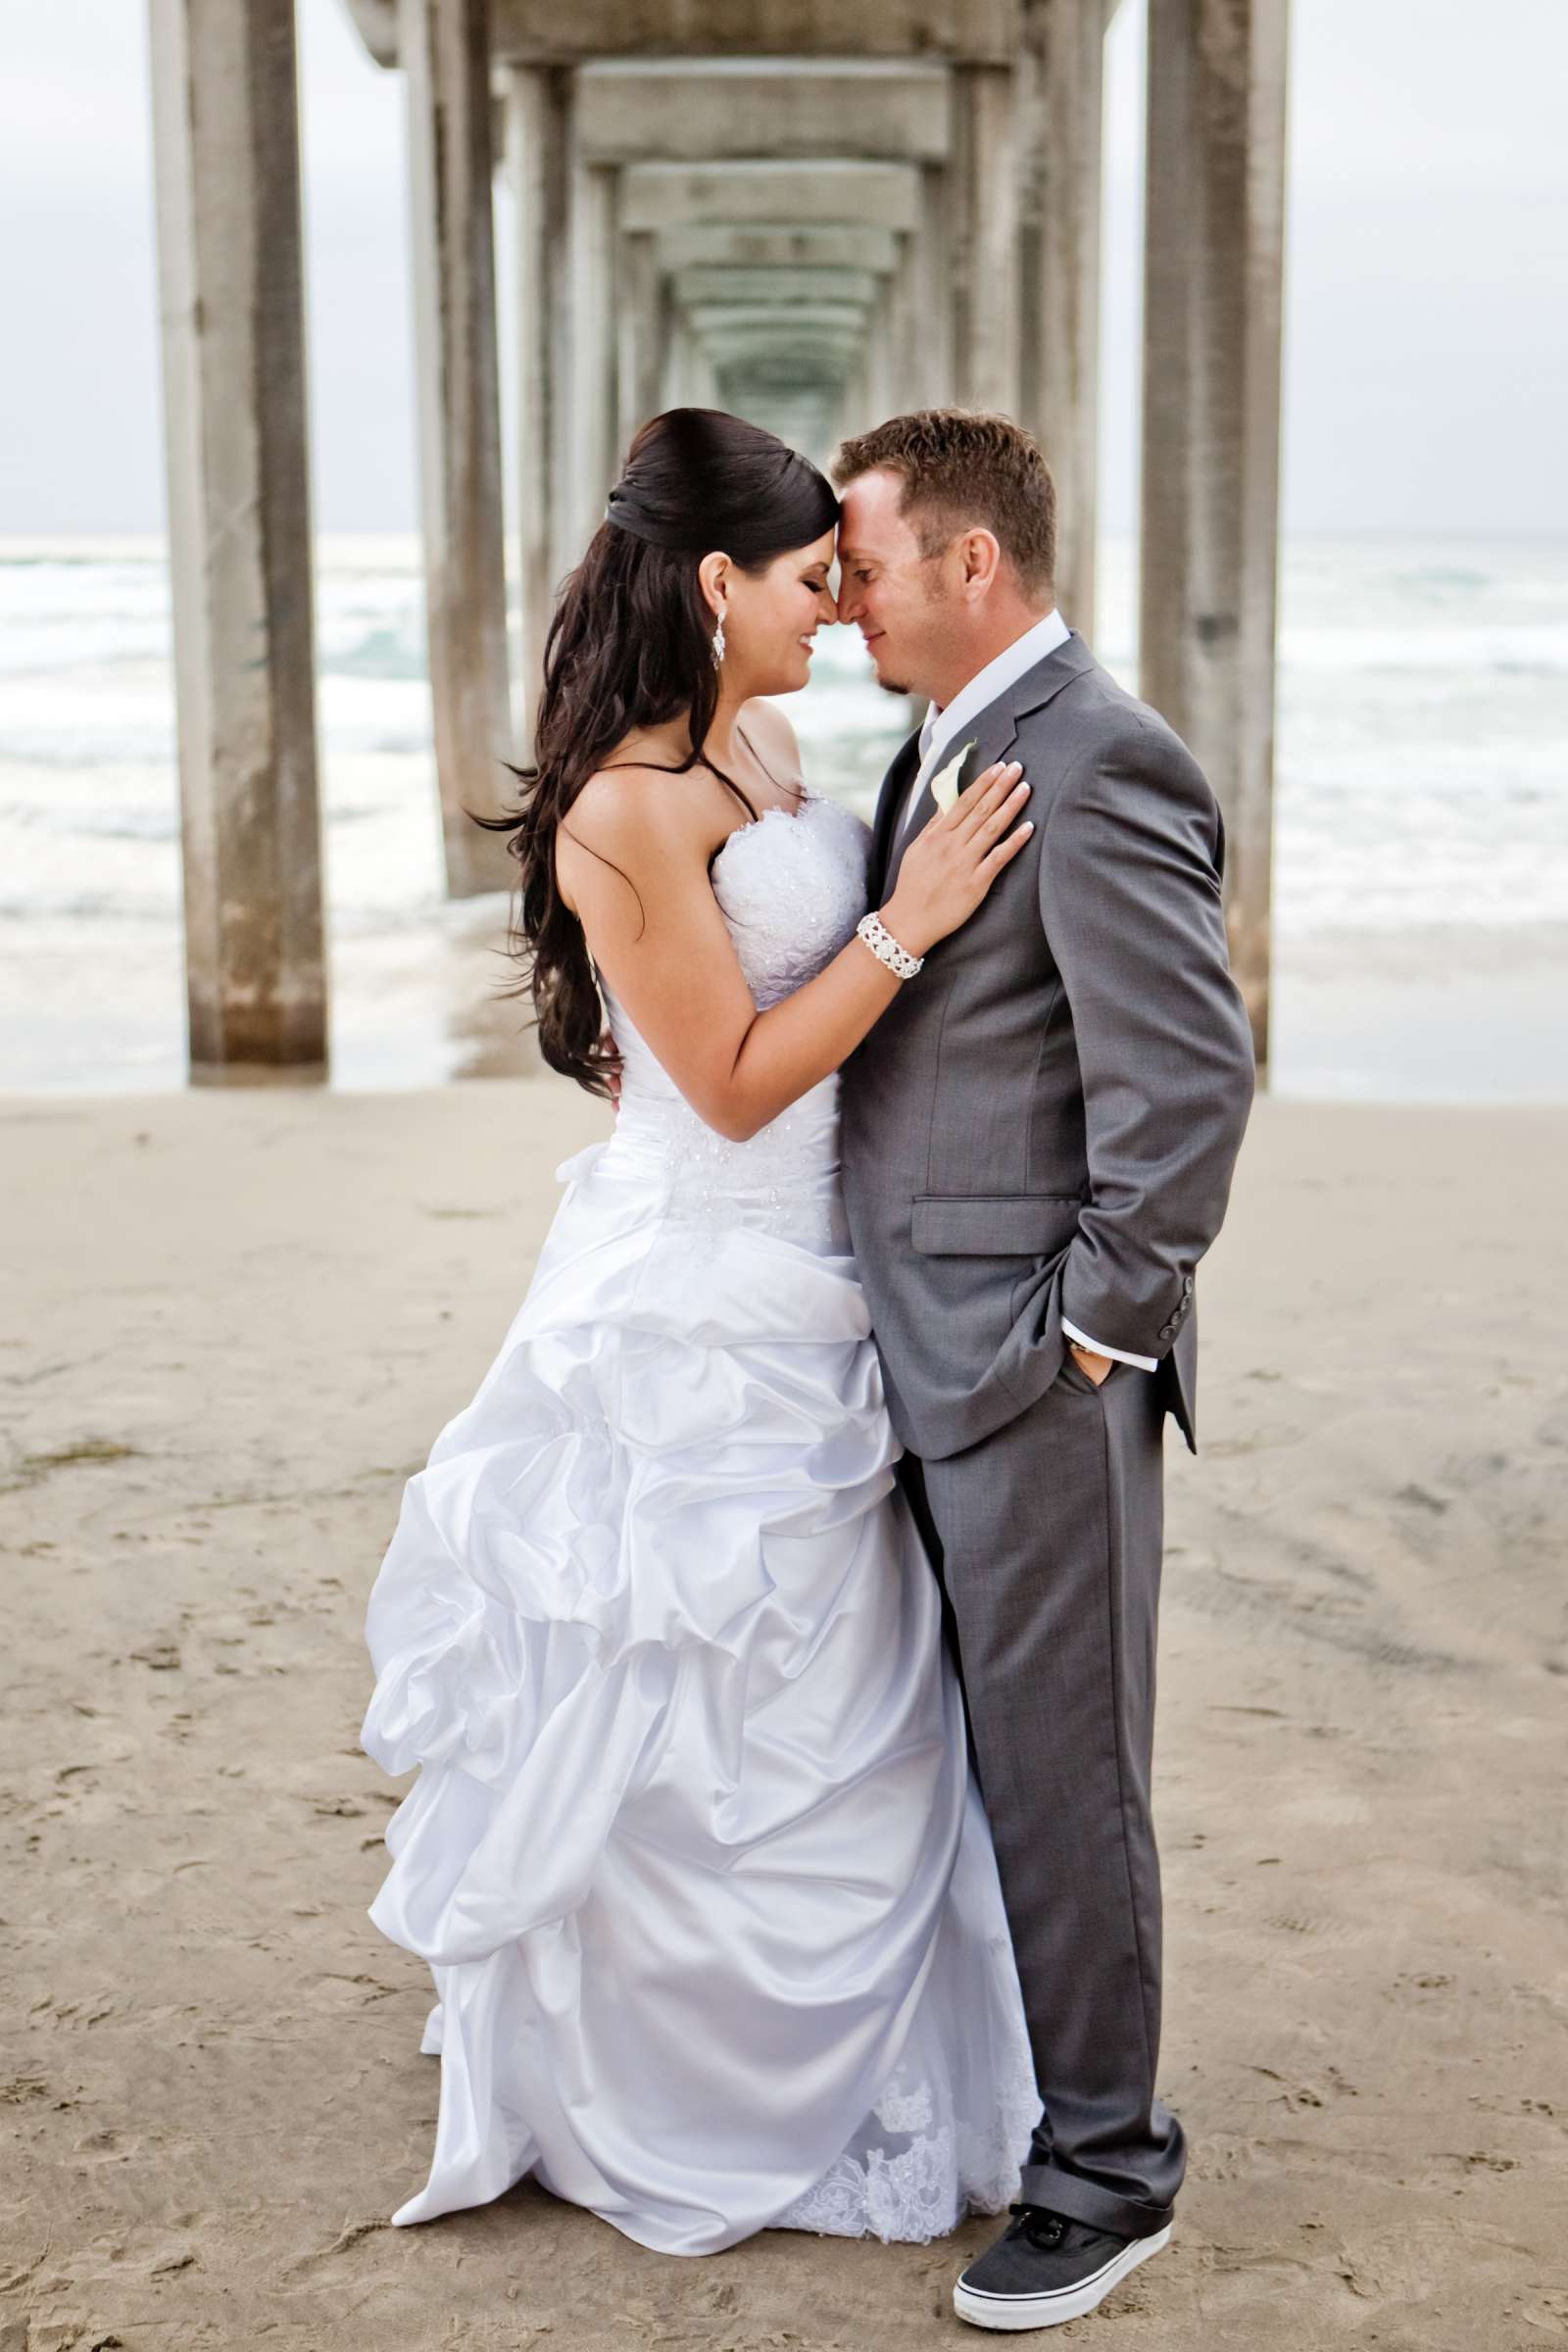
[694, 1854]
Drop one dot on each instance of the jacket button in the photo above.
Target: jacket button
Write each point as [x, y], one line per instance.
[1187, 1285]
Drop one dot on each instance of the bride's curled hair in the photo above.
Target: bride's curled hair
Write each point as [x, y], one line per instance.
[630, 646]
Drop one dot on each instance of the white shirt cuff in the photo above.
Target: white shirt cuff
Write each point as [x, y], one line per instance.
[1145, 1363]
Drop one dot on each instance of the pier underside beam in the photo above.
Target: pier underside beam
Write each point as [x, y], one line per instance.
[832, 246]
[777, 288]
[803, 194]
[820, 29]
[716, 109]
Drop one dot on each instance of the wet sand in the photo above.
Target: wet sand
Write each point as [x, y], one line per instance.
[235, 1322]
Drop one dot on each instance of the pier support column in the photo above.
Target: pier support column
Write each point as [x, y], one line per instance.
[882, 372]
[538, 116]
[984, 224]
[690, 379]
[641, 329]
[904, 331]
[591, 465]
[857, 403]
[444, 47]
[673, 386]
[937, 382]
[1059, 253]
[227, 147]
[704, 390]
[1211, 423]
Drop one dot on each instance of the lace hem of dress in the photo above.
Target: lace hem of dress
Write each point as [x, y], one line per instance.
[924, 2190]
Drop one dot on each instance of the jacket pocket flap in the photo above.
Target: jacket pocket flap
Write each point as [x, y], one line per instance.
[993, 1224]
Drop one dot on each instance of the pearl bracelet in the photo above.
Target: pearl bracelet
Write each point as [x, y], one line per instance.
[882, 944]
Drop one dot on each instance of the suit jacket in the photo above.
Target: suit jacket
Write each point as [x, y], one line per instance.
[1046, 1120]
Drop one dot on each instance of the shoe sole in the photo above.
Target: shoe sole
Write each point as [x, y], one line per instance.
[1065, 2303]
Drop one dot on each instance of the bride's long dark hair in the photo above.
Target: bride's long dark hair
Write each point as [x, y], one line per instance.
[630, 645]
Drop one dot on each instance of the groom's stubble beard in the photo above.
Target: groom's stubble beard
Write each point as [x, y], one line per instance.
[936, 594]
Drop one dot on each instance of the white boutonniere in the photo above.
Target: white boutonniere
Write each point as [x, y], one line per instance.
[945, 788]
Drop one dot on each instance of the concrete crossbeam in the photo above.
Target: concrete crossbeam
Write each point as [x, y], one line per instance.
[833, 246]
[794, 108]
[541, 31]
[538, 32]
[736, 194]
[782, 319]
[763, 337]
[227, 180]
[1215, 246]
[809, 349]
[804, 373]
[775, 287]
[377, 23]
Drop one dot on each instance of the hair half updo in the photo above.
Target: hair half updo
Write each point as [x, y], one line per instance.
[628, 648]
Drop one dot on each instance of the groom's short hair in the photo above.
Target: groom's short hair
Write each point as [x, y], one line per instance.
[959, 470]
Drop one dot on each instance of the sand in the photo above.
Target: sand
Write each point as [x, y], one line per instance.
[236, 1321]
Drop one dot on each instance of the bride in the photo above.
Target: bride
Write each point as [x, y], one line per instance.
[694, 1854]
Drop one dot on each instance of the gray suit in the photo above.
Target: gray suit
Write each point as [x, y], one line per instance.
[1044, 1123]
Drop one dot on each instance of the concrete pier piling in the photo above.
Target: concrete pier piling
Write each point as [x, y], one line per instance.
[444, 46]
[538, 113]
[1058, 399]
[228, 170]
[1213, 306]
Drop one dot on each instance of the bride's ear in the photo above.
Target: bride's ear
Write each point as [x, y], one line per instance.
[712, 576]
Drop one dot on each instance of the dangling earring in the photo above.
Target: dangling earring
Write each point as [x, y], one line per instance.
[719, 643]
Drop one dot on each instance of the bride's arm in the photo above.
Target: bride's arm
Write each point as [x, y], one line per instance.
[655, 929]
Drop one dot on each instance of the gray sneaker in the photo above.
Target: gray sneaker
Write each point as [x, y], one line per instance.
[1045, 2269]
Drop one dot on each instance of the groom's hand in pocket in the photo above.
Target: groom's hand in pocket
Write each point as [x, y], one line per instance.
[1097, 1367]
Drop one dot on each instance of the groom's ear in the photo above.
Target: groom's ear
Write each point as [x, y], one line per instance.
[979, 553]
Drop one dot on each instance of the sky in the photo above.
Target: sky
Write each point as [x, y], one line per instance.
[1426, 354]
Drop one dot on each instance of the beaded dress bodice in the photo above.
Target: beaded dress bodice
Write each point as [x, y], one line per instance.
[791, 890]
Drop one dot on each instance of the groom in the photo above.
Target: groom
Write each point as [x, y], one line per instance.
[1038, 1139]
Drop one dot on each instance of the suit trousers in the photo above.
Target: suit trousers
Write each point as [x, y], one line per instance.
[1047, 1538]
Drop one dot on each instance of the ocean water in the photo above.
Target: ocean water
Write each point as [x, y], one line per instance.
[1421, 852]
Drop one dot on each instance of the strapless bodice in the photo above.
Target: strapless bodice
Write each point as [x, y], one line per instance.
[791, 890]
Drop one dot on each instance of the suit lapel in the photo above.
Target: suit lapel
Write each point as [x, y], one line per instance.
[990, 738]
[1038, 685]
[894, 784]
[992, 732]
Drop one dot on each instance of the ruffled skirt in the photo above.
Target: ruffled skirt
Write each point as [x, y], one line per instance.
[694, 1854]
